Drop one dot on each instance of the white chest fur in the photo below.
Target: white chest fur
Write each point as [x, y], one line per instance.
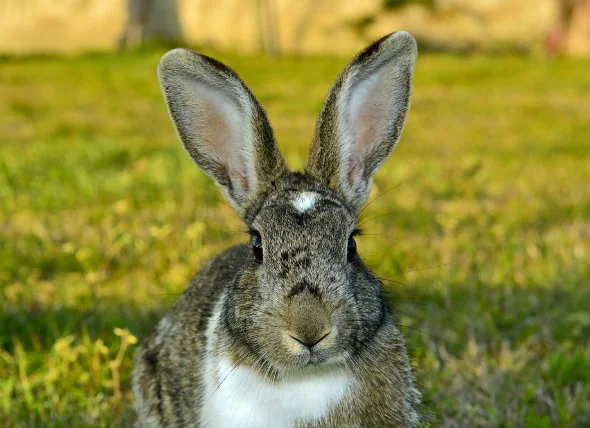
[246, 400]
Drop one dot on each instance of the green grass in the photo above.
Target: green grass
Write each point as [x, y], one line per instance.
[485, 235]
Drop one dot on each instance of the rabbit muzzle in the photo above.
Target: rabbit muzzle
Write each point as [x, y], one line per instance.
[309, 332]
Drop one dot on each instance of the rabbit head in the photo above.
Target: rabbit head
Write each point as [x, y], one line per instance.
[303, 296]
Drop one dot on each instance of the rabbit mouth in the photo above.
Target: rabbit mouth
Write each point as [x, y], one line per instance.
[313, 360]
[310, 358]
[320, 359]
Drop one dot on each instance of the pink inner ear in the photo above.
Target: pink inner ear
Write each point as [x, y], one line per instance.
[239, 179]
[370, 113]
[354, 168]
[221, 131]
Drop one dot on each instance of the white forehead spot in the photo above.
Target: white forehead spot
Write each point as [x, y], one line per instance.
[304, 201]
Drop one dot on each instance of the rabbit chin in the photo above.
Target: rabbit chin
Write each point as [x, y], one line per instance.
[247, 396]
[241, 397]
[307, 361]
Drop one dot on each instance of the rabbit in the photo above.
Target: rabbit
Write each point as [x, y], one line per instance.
[291, 329]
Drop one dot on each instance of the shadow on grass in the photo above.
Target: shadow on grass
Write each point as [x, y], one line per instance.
[450, 314]
[38, 329]
[487, 345]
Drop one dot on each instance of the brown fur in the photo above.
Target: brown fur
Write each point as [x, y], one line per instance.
[308, 304]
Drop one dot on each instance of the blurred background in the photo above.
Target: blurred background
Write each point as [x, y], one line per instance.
[479, 229]
[294, 27]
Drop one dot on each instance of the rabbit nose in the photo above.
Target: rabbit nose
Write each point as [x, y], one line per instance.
[307, 320]
[307, 340]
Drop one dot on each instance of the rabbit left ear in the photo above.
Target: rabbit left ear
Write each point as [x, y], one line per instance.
[221, 125]
[363, 116]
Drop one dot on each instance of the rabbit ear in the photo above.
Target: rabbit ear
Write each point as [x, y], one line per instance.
[363, 116]
[221, 125]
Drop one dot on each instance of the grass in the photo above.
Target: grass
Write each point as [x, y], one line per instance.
[485, 236]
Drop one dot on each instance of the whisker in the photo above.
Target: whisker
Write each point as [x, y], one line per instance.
[376, 217]
[423, 332]
[392, 280]
[379, 235]
[379, 195]
[225, 377]
[425, 268]
[451, 313]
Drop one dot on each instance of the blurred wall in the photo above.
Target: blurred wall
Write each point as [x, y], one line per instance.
[273, 26]
[30, 26]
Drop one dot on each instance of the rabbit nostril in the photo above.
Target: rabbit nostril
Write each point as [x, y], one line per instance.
[309, 342]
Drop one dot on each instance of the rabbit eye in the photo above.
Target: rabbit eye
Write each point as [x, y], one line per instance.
[351, 248]
[257, 247]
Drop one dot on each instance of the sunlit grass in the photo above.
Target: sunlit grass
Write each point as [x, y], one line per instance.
[484, 237]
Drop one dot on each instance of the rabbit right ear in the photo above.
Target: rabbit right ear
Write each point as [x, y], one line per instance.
[363, 116]
[221, 125]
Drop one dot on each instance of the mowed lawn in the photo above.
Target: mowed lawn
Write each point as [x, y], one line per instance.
[481, 233]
